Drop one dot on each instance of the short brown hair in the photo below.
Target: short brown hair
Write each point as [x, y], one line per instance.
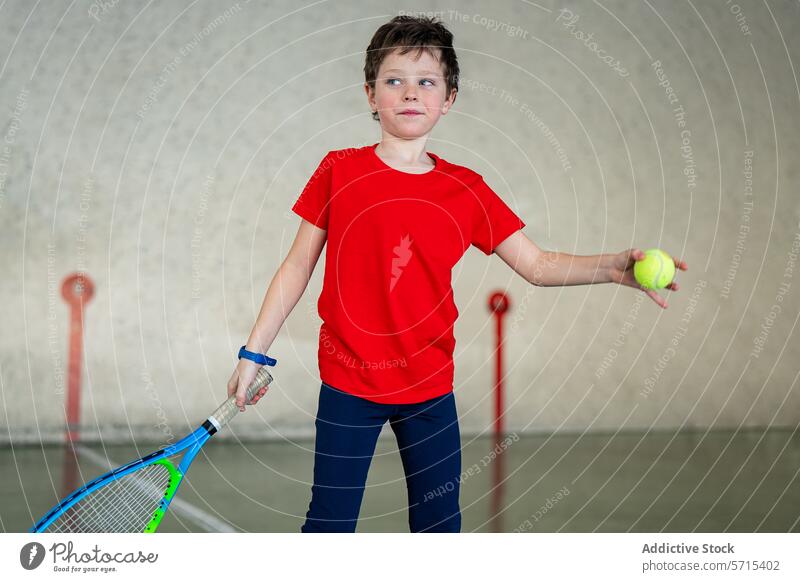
[407, 33]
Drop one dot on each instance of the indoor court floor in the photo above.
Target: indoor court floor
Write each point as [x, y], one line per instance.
[719, 481]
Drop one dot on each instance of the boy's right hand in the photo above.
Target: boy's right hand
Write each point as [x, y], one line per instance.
[243, 375]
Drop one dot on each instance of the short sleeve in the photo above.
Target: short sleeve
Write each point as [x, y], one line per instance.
[493, 221]
[313, 204]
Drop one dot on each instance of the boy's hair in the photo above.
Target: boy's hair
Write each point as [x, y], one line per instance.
[407, 33]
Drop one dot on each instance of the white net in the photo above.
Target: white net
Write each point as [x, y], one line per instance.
[124, 505]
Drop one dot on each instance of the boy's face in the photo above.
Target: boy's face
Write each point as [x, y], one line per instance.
[410, 94]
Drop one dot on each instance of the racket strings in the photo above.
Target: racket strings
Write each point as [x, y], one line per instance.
[123, 505]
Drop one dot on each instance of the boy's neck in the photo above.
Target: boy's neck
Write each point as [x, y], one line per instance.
[407, 152]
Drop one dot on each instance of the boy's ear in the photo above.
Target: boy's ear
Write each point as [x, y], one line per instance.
[449, 102]
[370, 97]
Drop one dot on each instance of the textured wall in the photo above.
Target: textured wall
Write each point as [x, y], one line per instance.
[160, 146]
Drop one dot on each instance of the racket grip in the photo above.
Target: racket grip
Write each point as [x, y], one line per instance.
[228, 409]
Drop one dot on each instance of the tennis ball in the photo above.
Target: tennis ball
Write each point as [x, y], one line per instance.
[655, 270]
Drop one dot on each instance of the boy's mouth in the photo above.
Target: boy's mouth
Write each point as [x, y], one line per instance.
[410, 112]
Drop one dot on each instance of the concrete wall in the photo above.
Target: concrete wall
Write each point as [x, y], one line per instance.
[160, 146]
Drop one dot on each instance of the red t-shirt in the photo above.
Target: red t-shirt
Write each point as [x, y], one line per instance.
[393, 239]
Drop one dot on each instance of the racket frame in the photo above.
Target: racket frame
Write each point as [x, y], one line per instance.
[192, 443]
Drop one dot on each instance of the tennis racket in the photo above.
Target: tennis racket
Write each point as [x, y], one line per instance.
[134, 498]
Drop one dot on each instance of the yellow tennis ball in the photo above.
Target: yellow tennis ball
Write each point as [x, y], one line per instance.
[655, 271]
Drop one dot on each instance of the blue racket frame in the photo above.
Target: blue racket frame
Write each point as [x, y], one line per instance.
[192, 443]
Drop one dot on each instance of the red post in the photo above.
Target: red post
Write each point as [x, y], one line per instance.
[499, 304]
[77, 290]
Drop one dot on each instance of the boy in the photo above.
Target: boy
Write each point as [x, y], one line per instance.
[396, 220]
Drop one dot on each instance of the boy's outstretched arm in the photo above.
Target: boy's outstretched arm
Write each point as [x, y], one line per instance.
[285, 290]
[551, 268]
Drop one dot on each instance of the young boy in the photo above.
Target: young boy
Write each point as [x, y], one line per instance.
[396, 220]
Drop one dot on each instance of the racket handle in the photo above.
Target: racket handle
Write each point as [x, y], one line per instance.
[228, 409]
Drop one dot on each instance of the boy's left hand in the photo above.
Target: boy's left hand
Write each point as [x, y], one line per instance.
[621, 271]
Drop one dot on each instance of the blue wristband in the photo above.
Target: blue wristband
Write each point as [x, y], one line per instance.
[257, 358]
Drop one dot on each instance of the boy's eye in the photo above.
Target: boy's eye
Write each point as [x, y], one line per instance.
[425, 82]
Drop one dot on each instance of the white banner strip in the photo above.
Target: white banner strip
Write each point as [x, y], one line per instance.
[389, 557]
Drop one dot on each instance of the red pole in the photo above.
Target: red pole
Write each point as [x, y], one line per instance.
[77, 290]
[499, 304]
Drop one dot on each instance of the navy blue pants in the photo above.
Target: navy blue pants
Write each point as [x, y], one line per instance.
[430, 448]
